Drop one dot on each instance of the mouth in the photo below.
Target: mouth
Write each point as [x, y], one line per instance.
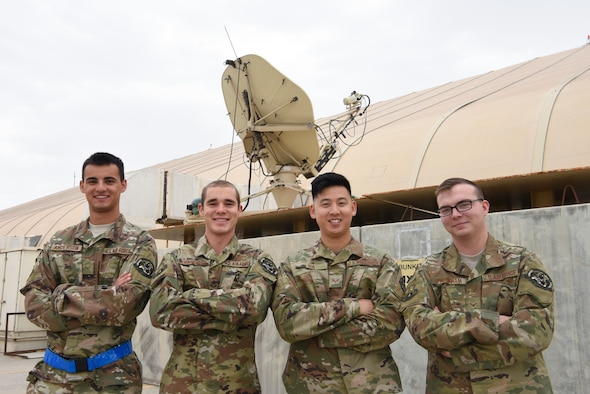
[335, 221]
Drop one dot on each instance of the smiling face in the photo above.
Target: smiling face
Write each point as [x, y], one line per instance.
[467, 224]
[333, 209]
[221, 210]
[103, 186]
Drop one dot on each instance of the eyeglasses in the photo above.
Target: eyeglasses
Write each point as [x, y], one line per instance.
[461, 206]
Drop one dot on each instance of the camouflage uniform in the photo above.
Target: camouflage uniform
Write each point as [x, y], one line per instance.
[485, 357]
[213, 304]
[334, 349]
[70, 293]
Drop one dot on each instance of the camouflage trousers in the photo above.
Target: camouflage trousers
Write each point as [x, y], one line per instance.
[42, 387]
[122, 376]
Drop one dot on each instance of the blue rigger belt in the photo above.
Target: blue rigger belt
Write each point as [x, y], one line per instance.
[99, 360]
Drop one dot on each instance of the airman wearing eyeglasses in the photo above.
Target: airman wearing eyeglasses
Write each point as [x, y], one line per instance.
[483, 308]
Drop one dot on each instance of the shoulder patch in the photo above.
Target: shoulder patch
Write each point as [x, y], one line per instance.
[145, 267]
[540, 279]
[269, 266]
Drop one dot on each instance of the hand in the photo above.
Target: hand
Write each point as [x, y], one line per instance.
[124, 278]
[366, 306]
[503, 318]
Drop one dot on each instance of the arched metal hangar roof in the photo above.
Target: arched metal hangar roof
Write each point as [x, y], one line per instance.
[522, 131]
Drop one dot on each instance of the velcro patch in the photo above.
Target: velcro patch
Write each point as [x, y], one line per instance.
[540, 279]
[411, 293]
[269, 266]
[145, 267]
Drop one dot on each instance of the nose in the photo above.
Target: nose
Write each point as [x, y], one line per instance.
[101, 185]
[455, 212]
[333, 208]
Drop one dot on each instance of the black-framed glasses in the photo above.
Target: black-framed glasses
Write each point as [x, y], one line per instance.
[461, 206]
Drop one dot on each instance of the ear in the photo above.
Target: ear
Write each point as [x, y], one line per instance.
[486, 206]
[354, 207]
[200, 206]
[123, 185]
[312, 211]
[82, 185]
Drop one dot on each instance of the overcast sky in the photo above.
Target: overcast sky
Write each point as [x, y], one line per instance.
[142, 79]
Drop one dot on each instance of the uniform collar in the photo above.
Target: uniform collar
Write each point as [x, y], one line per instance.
[452, 262]
[354, 248]
[84, 234]
[204, 250]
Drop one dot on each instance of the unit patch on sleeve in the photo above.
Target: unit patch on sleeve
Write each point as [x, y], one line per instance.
[269, 266]
[540, 279]
[145, 267]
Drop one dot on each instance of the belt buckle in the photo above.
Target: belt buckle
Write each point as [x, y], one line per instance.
[81, 364]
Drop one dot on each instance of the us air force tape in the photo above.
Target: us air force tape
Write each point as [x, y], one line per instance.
[145, 267]
[540, 279]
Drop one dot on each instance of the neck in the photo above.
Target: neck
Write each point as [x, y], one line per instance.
[218, 243]
[473, 245]
[336, 244]
[99, 218]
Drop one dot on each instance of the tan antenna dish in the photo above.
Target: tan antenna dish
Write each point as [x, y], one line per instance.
[274, 118]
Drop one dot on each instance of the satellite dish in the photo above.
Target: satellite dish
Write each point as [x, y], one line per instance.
[274, 118]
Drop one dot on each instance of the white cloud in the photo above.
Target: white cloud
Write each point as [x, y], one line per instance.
[142, 79]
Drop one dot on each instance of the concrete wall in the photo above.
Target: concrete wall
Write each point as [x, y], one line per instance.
[560, 236]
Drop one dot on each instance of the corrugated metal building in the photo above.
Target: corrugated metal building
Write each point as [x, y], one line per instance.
[522, 132]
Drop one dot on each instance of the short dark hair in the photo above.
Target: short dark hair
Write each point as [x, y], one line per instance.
[449, 183]
[104, 159]
[219, 183]
[328, 179]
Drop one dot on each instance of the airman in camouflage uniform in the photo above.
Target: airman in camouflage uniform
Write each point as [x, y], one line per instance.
[212, 295]
[86, 289]
[338, 303]
[483, 308]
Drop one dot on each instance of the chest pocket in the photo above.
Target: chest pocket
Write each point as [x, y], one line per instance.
[111, 263]
[195, 273]
[498, 291]
[312, 281]
[69, 262]
[452, 293]
[233, 274]
[362, 278]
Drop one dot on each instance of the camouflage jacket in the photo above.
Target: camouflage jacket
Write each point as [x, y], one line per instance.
[450, 308]
[213, 304]
[333, 348]
[70, 294]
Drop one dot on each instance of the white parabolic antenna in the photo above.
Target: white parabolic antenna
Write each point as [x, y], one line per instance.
[274, 118]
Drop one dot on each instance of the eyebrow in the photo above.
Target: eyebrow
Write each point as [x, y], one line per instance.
[94, 178]
[227, 200]
[339, 199]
